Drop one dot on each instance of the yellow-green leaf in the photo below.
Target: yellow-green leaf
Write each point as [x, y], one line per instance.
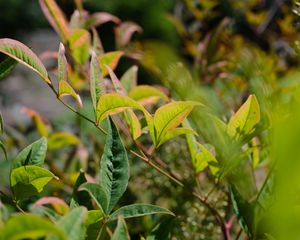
[129, 78]
[62, 64]
[170, 116]
[245, 119]
[174, 133]
[134, 123]
[97, 45]
[24, 55]
[143, 93]
[205, 158]
[97, 87]
[80, 42]
[110, 59]
[61, 139]
[56, 18]
[113, 103]
[65, 89]
[29, 180]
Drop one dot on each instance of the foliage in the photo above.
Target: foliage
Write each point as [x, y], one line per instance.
[213, 156]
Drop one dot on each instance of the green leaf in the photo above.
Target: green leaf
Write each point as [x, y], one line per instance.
[34, 154]
[113, 103]
[97, 192]
[29, 180]
[110, 59]
[97, 45]
[174, 133]
[205, 158]
[142, 93]
[129, 78]
[62, 139]
[29, 226]
[243, 210]
[97, 87]
[62, 64]
[24, 55]
[80, 42]
[3, 149]
[121, 231]
[73, 224]
[114, 172]
[138, 210]
[56, 18]
[1, 124]
[171, 115]
[6, 67]
[245, 119]
[65, 89]
[131, 118]
[93, 224]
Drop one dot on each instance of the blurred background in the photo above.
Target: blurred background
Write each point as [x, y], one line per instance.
[213, 51]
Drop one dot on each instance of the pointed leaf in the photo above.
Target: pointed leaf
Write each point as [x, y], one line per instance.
[121, 231]
[114, 171]
[138, 210]
[29, 226]
[97, 87]
[170, 116]
[6, 67]
[62, 139]
[174, 133]
[24, 55]
[34, 154]
[58, 204]
[3, 149]
[110, 59]
[80, 41]
[97, 193]
[29, 180]
[245, 119]
[56, 18]
[65, 89]
[143, 92]
[129, 78]
[134, 123]
[1, 124]
[125, 31]
[162, 230]
[113, 103]
[97, 45]
[62, 64]
[72, 224]
[100, 18]
[116, 82]
[205, 158]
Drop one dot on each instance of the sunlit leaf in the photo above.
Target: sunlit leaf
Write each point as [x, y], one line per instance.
[97, 87]
[142, 93]
[62, 64]
[92, 223]
[112, 103]
[29, 180]
[98, 193]
[29, 226]
[172, 133]
[65, 89]
[138, 210]
[56, 18]
[129, 78]
[110, 59]
[34, 154]
[171, 115]
[114, 171]
[245, 119]
[205, 158]
[121, 231]
[116, 82]
[80, 42]
[6, 67]
[62, 139]
[125, 31]
[24, 55]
